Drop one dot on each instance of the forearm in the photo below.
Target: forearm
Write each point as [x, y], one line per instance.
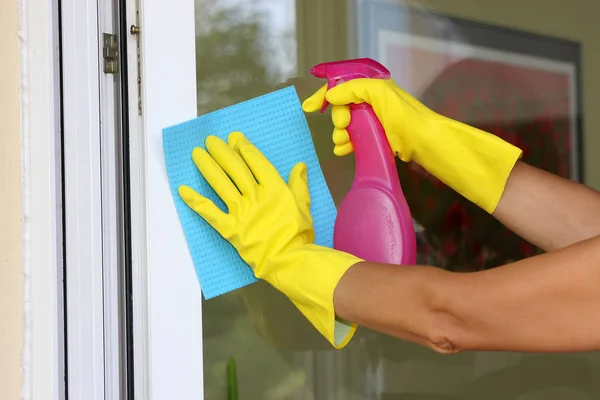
[547, 210]
[547, 303]
[401, 301]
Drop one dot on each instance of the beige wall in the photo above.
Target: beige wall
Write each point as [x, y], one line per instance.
[10, 207]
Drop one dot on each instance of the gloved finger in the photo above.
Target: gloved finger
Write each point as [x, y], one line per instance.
[232, 164]
[204, 207]
[340, 116]
[259, 165]
[343, 149]
[215, 176]
[315, 102]
[340, 136]
[298, 184]
[355, 91]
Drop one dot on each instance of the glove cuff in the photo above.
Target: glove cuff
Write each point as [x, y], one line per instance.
[474, 163]
[308, 276]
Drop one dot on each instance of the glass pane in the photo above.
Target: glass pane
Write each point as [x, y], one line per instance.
[522, 87]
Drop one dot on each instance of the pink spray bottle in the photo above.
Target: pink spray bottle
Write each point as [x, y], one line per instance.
[373, 221]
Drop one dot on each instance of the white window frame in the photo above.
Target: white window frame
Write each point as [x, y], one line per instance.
[42, 360]
[88, 103]
[83, 199]
[92, 210]
[167, 296]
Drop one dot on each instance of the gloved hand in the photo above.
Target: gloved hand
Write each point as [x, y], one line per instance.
[474, 163]
[270, 225]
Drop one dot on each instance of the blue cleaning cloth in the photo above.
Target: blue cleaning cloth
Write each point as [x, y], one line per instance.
[275, 123]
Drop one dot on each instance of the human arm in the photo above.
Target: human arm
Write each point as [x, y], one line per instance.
[546, 303]
[537, 304]
[548, 211]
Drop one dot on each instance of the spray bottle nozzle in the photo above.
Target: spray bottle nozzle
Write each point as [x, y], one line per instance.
[319, 71]
[337, 72]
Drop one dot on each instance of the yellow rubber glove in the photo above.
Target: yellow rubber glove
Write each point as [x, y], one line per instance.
[474, 163]
[270, 225]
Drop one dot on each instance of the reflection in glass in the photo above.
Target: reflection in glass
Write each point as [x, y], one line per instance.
[246, 48]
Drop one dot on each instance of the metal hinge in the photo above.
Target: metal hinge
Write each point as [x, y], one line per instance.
[135, 30]
[110, 53]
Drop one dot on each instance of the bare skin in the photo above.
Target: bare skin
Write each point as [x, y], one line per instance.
[546, 303]
[547, 210]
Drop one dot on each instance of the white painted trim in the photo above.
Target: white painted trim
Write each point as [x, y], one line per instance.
[43, 364]
[161, 256]
[83, 199]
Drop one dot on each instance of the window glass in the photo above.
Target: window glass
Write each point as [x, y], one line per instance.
[460, 59]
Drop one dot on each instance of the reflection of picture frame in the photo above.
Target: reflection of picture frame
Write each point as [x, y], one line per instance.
[520, 86]
[388, 31]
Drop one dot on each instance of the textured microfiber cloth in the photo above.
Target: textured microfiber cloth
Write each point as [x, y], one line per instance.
[275, 123]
